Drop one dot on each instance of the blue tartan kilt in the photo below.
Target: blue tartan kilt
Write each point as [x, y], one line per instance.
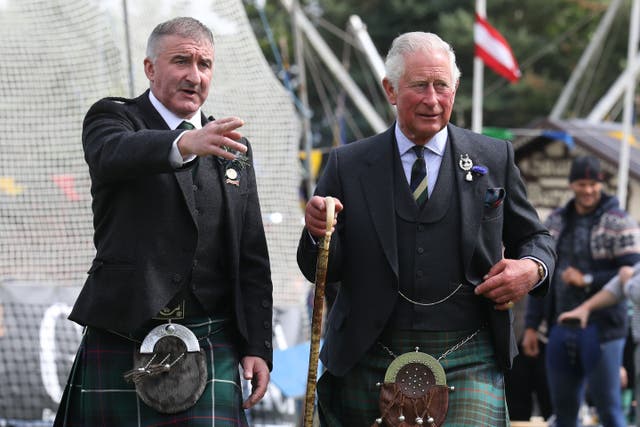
[97, 395]
[478, 399]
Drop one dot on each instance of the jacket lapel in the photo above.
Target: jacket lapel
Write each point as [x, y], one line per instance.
[470, 192]
[377, 185]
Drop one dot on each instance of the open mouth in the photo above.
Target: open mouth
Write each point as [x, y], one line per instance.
[189, 92]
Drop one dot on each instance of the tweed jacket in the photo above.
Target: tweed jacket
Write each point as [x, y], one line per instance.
[364, 256]
[146, 232]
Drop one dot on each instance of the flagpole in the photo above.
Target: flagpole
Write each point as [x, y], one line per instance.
[623, 164]
[478, 79]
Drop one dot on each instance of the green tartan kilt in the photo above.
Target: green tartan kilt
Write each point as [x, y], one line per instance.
[478, 399]
[96, 393]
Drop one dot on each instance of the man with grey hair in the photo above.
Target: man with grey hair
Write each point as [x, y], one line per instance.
[434, 242]
[179, 294]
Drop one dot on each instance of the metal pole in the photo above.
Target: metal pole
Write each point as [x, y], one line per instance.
[304, 99]
[623, 166]
[364, 40]
[596, 41]
[325, 54]
[478, 80]
[607, 102]
[127, 37]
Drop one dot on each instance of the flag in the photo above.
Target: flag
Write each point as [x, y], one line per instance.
[494, 50]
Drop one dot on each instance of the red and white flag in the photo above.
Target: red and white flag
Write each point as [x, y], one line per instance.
[494, 50]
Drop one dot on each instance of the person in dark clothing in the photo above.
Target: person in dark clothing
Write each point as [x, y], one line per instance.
[434, 242]
[180, 246]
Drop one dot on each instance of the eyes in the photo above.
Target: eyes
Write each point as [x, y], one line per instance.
[203, 64]
[439, 86]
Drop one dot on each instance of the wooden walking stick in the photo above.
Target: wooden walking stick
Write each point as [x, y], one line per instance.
[316, 318]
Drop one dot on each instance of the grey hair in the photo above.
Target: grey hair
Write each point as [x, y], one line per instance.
[413, 42]
[186, 27]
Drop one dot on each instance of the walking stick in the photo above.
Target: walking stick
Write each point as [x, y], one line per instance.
[316, 318]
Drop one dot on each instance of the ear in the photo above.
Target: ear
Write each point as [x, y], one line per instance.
[149, 69]
[389, 91]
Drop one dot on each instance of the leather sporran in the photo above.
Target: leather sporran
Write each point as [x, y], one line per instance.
[171, 372]
[414, 392]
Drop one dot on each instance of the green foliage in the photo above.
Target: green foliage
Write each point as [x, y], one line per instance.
[547, 38]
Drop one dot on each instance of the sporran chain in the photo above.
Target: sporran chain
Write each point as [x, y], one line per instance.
[443, 355]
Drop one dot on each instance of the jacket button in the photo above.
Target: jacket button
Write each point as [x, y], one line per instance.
[267, 343]
[265, 303]
[419, 273]
[266, 324]
[420, 251]
[177, 278]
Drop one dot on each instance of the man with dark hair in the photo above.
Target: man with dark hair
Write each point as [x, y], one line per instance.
[179, 293]
[434, 243]
[594, 238]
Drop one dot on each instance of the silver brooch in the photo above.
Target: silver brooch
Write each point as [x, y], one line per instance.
[466, 164]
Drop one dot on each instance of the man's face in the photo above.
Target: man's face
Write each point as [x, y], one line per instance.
[181, 74]
[587, 194]
[424, 96]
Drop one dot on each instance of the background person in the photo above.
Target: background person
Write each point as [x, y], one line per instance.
[624, 285]
[594, 238]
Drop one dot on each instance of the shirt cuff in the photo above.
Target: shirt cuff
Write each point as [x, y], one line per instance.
[312, 239]
[175, 158]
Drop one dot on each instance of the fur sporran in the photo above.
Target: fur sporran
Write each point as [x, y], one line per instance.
[181, 379]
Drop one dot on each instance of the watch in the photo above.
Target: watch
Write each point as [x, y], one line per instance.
[587, 279]
[541, 270]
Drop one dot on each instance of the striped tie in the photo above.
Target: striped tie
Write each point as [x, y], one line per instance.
[419, 181]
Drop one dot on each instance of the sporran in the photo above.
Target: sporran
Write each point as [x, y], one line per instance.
[171, 372]
[415, 391]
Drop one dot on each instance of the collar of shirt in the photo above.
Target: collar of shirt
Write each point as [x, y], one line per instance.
[433, 154]
[171, 119]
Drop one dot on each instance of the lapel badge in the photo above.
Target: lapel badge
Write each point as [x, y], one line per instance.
[231, 173]
[231, 177]
[466, 164]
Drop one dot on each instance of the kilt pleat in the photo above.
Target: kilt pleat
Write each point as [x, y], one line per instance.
[97, 395]
[478, 399]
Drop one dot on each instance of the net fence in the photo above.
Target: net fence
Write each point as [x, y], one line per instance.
[59, 57]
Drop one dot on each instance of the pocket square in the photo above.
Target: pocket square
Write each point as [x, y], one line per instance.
[494, 197]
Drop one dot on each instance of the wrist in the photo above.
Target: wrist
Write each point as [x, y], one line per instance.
[587, 280]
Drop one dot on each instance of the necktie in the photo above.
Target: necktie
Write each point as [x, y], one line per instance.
[419, 181]
[185, 125]
[188, 126]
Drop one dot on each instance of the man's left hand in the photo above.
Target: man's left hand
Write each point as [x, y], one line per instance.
[256, 370]
[508, 282]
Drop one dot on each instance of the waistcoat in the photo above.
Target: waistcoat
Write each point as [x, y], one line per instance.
[430, 258]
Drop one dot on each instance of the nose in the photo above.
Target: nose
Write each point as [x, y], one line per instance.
[430, 97]
[193, 74]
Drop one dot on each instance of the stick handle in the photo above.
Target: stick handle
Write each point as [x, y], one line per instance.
[316, 319]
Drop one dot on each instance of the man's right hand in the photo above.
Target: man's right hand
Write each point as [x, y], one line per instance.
[213, 138]
[315, 215]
